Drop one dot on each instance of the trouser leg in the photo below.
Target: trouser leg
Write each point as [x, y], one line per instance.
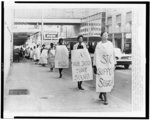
[105, 98]
[79, 84]
[60, 72]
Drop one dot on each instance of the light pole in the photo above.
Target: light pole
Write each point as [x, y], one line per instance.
[66, 31]
[42, 28]
[88, 29]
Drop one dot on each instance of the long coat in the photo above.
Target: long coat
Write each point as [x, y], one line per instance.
[51, 56]
[104, 60]
[43, 58]
[61, 57]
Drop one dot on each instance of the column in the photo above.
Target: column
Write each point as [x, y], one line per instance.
[122, 42]
[113, 39]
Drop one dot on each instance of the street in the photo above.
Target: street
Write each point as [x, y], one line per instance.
[122, 87]
[47, 92]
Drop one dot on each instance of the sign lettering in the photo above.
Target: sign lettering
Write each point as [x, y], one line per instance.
[105, 68]
[81, 65]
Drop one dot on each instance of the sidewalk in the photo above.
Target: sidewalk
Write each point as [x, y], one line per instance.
[48, 93]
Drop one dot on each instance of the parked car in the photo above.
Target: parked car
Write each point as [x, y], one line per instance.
[122, 59]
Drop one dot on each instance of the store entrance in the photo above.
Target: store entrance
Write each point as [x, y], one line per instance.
[118, 43]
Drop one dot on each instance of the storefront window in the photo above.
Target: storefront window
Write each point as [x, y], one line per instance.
[118, 43]
[127, 46]
[118, 40]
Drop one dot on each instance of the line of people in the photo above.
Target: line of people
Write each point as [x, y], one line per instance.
[59, 58]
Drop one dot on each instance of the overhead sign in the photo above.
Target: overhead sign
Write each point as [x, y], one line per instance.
[81, 65]
[50, 35]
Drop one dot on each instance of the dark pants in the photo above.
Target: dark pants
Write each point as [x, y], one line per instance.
[79, 84]
[60, 72]
[18, 58]
[103, 96]
[37, 60]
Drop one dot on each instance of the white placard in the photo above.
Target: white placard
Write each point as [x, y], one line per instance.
[61, 57]
[81, 65]
[105, 67]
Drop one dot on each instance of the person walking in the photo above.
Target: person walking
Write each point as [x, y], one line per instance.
[16, 54]
[34, 54]
[21, 53]
[61, 57]
[37, 54]
[27, 52]
[51, 56]
[104, 66]
[43, 58]
[31, 53]
[79, 45]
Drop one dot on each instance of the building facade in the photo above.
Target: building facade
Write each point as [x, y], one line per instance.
[93, 25]
[117, 22]
[119, 27]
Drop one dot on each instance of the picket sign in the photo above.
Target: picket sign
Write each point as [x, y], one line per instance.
[61, 57]
[104, 56]
[81, 65]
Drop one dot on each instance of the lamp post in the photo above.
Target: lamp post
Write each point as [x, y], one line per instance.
[66, 31]
[42, 28]
[88, 19]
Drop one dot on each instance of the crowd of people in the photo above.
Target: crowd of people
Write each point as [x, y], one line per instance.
[59, 54]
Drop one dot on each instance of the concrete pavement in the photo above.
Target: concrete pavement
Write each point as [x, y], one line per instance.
[122, 87]
[48, 93]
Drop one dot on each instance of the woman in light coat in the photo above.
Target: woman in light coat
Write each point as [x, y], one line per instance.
[51, 57]
[61, 57]
[43, 58]
[104, 66]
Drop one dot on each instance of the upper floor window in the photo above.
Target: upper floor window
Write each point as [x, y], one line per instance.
[109, 20]
[129, 17]
[109, 24]
[129, 22]
[118, 23]
[118, 19]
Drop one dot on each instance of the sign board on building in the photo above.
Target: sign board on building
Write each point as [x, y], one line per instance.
[50, 35]
[128, 35]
